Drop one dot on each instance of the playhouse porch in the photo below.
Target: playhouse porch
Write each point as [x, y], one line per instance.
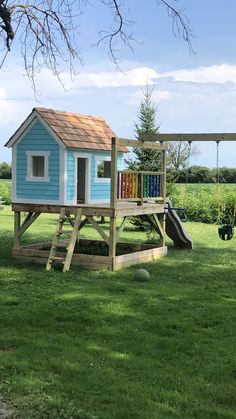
[118, 216]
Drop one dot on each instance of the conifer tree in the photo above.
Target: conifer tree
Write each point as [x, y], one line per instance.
[145, 159]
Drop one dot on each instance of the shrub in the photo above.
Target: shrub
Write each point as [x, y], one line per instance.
[206, 203]
[5, 171]
[202, 174]
[5, 191]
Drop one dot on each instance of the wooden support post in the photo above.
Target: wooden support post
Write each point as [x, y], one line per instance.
[112, 238]
[74, 238]
[17, 216]
[163, 169]
[113, 196]
[162, 217]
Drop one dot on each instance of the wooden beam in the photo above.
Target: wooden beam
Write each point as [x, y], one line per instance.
[83, 223]
[74, 238]
[163, 167]
[139, 210]
[153, 225]
[17, 216]
[99, 229]
[113, 193]
[29, 219]
[93, 210]
[143, 256]
[189, 137]
[162, 220]
[162, 232]
[112, 238]
[121, 228]
[141, 144]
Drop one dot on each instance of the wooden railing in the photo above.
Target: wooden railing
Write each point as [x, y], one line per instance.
[139, 186]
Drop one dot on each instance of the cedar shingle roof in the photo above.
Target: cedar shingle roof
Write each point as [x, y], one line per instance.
[79, 131]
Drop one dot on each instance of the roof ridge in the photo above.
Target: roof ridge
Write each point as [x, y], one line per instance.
[56, 111]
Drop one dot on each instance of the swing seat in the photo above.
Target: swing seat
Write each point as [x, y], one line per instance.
[226, 232]
[183, 216]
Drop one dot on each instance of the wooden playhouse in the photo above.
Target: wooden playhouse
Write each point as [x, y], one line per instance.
[73, 165]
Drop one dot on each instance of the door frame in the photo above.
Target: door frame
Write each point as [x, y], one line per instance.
[88, 158]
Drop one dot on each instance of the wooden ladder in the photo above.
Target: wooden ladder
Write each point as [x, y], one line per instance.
[57, 243]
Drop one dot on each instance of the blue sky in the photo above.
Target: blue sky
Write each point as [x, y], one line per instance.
[194, 93]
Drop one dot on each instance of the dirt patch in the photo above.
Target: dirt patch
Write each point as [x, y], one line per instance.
[6, 350]
[5, 411]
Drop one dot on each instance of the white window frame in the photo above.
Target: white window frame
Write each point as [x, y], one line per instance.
[88, 158]
[101, 179]
[30, 177]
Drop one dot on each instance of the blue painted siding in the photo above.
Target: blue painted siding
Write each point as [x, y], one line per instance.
[38, 139]
[70, 175]
[98, 190]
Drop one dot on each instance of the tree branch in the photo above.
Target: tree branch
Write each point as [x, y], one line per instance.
[48, 31]
[180, 24]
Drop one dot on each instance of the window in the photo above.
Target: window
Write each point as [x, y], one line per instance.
[102, 169]
[37, 166]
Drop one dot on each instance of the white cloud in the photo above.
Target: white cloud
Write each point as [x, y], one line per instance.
[135, 77]
[8, 108]
[221, 73]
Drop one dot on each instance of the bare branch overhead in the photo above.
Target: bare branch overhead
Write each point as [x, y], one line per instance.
[48, 31]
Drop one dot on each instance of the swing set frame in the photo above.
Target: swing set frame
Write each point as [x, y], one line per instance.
[225, 231]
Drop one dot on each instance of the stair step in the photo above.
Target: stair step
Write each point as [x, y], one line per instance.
[64, 231]
[62, 244]
[68, 243]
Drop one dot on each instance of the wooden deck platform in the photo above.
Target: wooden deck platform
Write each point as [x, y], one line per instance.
[120, 210]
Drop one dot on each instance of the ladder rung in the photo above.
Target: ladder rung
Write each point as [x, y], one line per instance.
[64, 231]
[62, 243]
[68, 243]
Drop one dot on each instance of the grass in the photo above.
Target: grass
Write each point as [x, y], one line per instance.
[208, 203]
[99, 345]
[5, 190]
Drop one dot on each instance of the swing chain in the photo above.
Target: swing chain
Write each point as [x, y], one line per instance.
[188, 160]
[226, 231]
[217, 161]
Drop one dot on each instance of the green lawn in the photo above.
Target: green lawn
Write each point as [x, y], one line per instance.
[99, 345]
[5, 190]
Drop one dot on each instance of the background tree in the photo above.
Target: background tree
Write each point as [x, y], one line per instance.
[47, 30]
[145, 159]
[179, 153]
[5, 171]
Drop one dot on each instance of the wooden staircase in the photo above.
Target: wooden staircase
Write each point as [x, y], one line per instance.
[73, 236]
